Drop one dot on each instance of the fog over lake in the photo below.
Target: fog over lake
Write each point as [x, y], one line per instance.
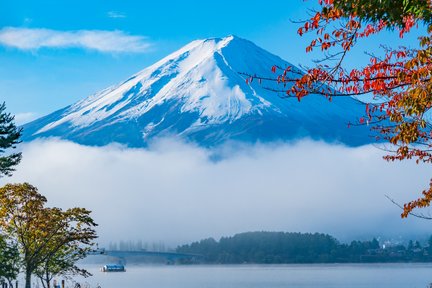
[177, 192]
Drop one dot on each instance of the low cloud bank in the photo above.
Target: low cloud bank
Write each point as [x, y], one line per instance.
[174, 192]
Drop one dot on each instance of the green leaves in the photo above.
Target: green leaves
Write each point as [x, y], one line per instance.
[9, 259]
[390, 11]
[9, 137]
[49, 239]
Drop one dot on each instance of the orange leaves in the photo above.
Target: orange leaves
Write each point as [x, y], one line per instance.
[310, 25]
[300, 31]
[313, 43]
[352, 24]
[338, 33]
[368, 112]
[401, 54]
[327, 2]
[422, 202]
[321, 42]
[346, 45]
[332, 13]
[325, 45]
[316, 18]
[372, 28]
[399, 80]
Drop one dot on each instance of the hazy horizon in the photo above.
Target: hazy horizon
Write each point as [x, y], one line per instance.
[176, 193]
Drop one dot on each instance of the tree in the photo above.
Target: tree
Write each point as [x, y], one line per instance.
[9, 138]
[410, 245]
[62, 263]
[44, 235]
[9, 259]
[68, 245]
[20, 217]
[429, 246]
[400, 80]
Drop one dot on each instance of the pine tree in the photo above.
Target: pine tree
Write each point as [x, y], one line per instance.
[9, 138]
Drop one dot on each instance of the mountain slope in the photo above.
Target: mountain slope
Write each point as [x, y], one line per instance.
[197, 93]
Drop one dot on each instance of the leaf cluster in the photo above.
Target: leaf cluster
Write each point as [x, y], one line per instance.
[399, 81]
[390, 11]
[9, 259]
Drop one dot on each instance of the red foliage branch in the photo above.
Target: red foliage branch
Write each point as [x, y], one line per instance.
[400, 82]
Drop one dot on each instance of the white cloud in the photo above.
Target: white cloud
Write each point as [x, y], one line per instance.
[116, 14]
[99, 40]
[22, 118]
[173, 192]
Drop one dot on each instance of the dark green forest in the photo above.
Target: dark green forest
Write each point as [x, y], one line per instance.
[283, 247]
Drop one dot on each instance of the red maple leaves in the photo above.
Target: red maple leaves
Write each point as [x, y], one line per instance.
[400, 81]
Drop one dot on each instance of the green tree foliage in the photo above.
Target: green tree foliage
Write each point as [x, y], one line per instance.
[21, 218]
[9, 138]
[45, 236]
[390, 11]
[266, 247]
[9, 260]
[62, 263]
[72, 236]
[429, 246]
[280, 247]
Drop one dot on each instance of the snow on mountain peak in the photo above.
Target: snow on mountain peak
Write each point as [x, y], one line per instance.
[196, 92]
[191, 74]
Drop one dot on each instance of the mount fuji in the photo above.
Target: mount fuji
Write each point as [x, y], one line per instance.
[199, 94]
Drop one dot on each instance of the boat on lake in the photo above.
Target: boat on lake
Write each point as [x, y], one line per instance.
[113, 268]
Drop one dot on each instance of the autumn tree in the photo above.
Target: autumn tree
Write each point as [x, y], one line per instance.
[43, 234]
[399, 81]
[72, 242]
[9, 138]
[62, 263]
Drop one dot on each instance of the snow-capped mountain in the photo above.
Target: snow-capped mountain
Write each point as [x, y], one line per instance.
[199, 94]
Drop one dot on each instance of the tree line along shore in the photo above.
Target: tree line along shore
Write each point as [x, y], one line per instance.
[287, 248]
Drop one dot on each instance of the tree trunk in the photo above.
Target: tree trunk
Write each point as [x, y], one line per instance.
[42, 280]
[47, 279]
[28, 278]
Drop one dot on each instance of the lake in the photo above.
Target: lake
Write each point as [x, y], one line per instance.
[265, 276]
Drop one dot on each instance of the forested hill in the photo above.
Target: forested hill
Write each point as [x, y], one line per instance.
[281, 247]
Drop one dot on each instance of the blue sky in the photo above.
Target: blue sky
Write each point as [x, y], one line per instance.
[53, 53]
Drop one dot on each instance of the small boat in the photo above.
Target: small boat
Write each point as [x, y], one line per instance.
[113, 268]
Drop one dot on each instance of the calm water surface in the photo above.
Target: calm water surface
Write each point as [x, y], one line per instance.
[266, 276]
